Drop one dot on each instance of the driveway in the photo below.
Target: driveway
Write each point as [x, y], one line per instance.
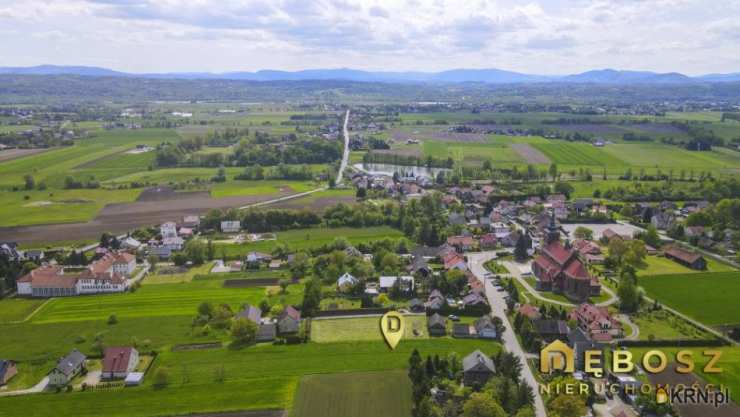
[38, 388]
[498, 309]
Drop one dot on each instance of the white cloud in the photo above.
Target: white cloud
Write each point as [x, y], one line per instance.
[538, 36]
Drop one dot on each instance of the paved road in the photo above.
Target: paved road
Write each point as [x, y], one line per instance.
[516, 273]
[345, 154]
[635, 335]
[498, 309]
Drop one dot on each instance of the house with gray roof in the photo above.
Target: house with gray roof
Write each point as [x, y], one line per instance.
[485, 328]
[437, 325]
[289, 320]
[477, 368]
[67, 368]
[266, 332]
[251, 313]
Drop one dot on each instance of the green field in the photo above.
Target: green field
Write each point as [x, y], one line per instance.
[579, 154]
[662, 325]
[472, 152]
[17, 309]
[658, 265]
[361, 329]
[301, 239]
[258, 377]
[264, 187]
[710, 298]
[159, 300]
[57, 206]
[370, 394]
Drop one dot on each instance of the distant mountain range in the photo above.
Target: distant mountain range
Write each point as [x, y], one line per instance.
[489, 76]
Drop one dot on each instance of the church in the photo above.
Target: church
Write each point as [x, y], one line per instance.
[559, 269]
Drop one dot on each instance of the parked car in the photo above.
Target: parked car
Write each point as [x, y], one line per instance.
[453, 317]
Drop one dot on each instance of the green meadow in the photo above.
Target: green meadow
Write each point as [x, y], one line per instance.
[709, 297]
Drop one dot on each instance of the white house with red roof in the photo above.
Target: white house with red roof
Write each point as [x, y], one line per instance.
[118, 362]
[596, 322]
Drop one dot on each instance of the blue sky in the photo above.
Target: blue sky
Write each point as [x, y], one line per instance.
[541, 37]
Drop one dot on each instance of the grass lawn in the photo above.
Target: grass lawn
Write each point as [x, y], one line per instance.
[301, 239]
[367, 394]
[17, 309]
[159, 278]
[472, 152]
[364, 328]
[663, 325]
[709, 297]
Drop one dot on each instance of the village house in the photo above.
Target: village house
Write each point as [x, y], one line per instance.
[67, 368]
[609, 234]
[454, 261]
[529, 311]
[550, 329]
[580, 343]
[559, 269]
[266, 332]
[8, 370]
[231, 226]
[596, 322]
[118, 362]
[129, 243]
[663, 220]
[347, 282]
[435, 301]
[250, 313]
[168, 230]
[289, 321]
[255, 259]
[406, 284]
[461, 243]
[463, 330]
[588, 250]
[477, 369]
[485, 328]
[437, 325]
[488, 241]
[686, 258]
[192, 222]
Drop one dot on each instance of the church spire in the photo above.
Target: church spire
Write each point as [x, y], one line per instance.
[552, 233]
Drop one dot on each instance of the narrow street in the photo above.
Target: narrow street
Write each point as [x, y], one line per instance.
[498, 309]
[345, 153]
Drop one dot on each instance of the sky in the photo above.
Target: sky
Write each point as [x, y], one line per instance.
[537, 37]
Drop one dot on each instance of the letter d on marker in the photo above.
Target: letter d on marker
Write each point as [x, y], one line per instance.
[392, 327]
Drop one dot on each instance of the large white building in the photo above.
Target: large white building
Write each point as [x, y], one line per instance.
[109, 274]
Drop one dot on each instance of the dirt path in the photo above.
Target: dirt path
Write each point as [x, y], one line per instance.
[345, 154]
[10, 154]
[530, 154]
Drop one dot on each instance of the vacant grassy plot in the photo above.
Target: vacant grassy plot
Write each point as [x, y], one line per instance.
[368, 394]
[163, 278]
[57, 206]
[364, 328]
[159, 300]
[578, 154]
[264, 187]
[17, 309]
[662, 325]
[672, 157]
[707, 297]
[472, 152]
[301, 239]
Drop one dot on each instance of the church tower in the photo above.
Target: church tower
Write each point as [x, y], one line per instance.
[552, 233]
